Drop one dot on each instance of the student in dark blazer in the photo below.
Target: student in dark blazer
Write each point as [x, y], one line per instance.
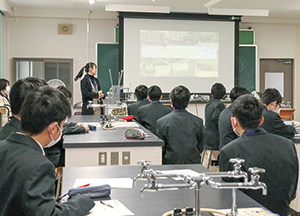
[212, 112]
[27, 183]
[275, 154]
[226, 132]
[181, 131]
[150, 113]
[90, 87]
[141, 95]
[17, 95]
[56, 153]
[271, 99]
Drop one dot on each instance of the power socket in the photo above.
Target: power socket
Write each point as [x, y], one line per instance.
[126, 158]
[114, 158]
[102, 158]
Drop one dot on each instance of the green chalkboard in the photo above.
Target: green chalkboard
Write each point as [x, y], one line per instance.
[107, 58]
[246, 37]
[247, 67]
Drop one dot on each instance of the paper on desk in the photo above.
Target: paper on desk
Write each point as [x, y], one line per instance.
[90, 123]
[113, 182]
[189, 172]
[117, 210]
[125, 124]
[257, 211]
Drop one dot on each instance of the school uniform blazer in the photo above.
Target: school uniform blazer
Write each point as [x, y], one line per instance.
[182, 133]
[277, 155]
[132, 109]
[212, 112]
[150, 113]
[274, 124]
[88, 94]
[56, 153]
[226, 133]
[13, 125]
[27, 183]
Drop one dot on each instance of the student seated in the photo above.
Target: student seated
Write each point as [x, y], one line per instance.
[150, 113]
[271, 99]
[212, 112]
[27, 183]
[141, 95]
[226, 133]
[56, 153]
[181, 131]
[17, 95]
[276, 154]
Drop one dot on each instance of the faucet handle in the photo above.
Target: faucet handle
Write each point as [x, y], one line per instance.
[256, 170]
[144, 163]
[237, 160]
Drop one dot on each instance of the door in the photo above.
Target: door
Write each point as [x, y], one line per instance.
[278, 73]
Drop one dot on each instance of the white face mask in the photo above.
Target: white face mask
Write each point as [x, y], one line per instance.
[7, 89]
[53, 142]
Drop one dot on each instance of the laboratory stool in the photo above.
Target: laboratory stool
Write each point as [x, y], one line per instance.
[207, 157]
[58, 173]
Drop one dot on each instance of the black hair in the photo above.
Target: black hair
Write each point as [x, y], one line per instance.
[85, 68]
[218, 91]
[180, 96]
[248, 111]
[3, 83]
[154, 93]
[21, 89]
[65, 91]
[270, 95]
[237, 91]
[43, 107]
[141, 92]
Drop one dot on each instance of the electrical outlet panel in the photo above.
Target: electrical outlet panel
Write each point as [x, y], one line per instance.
[102, 158]
[114, 158]
[125, 158]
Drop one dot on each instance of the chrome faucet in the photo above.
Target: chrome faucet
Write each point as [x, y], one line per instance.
[254, 184]
[236, 173]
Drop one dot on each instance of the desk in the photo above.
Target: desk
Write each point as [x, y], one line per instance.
[286, 113]
[109, 147]
[155, 203]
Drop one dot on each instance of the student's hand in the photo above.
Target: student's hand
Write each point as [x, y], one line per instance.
[86, 127]
[100, 93]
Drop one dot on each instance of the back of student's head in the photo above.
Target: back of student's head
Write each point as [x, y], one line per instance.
[3, 84]
[218, 91]
[141, 92]
[248, 111]
[65, 91]
[180, 96]
[43, 107]
[154, 93]
[270, 95]
[237, 91]
[21, 89]
[85, 68]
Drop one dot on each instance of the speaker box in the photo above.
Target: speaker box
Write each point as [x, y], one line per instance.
[65, 29]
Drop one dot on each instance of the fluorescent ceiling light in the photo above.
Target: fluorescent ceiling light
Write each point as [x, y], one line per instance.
[137, 8]
[91, 1]
[237, 12]
[211, 3]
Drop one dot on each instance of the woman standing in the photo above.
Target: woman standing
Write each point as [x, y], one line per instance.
[4, 91]
[90, 87]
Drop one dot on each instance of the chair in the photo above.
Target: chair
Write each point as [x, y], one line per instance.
[206, 158]
[4, 113]
[58, 173]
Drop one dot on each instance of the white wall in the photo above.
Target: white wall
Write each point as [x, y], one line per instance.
[35, 36]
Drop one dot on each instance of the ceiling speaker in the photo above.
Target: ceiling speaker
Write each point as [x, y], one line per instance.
[65, 29]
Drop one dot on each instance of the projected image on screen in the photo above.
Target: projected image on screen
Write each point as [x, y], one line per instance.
[179, 53]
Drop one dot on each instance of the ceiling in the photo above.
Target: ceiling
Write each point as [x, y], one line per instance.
[277, 8]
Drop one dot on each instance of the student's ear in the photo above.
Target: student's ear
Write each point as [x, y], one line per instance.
[161, 97]
[234, 122]
[261, 121]
[52, 127]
